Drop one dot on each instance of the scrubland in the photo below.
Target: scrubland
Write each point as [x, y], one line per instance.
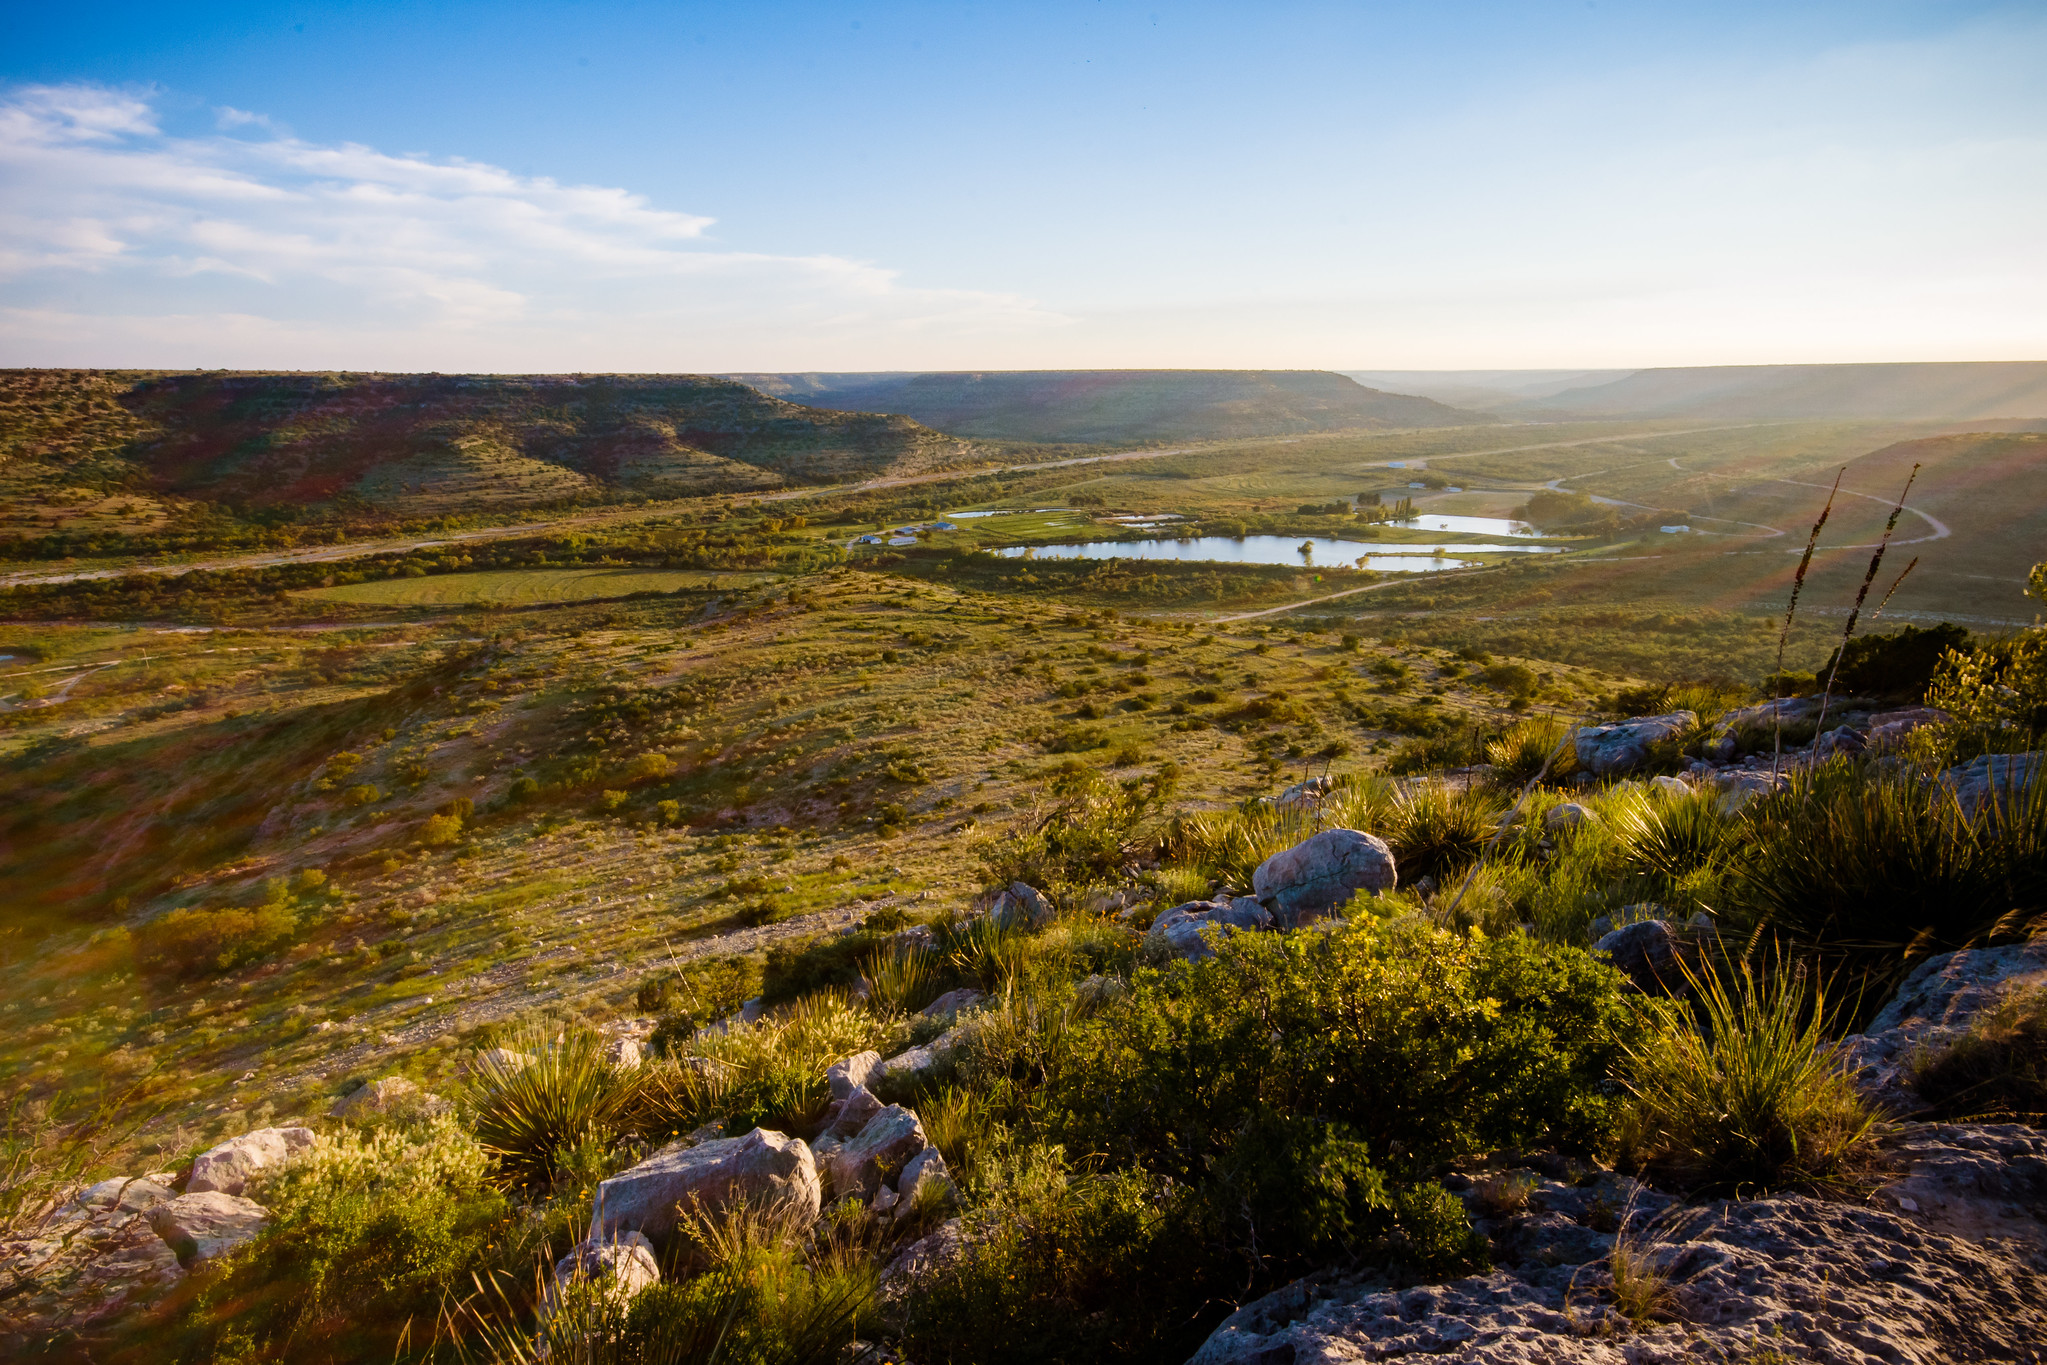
[274, 832]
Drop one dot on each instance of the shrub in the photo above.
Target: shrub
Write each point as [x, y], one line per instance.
[368, 1233]
[771, 1075]
[195, 942]
[522, 790]
[439, 830]
[1059, 1268]
[1899, 665]
[650, 767]
[1748, 1095]
[1300, 1083]
[534, 1116]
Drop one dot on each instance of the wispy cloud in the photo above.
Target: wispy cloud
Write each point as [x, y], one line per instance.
[119, 242]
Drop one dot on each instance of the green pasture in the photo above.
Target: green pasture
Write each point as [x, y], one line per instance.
[525, 587]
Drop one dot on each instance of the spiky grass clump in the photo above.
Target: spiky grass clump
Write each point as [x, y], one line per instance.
[1679, 847]
[1873, 870]
[1526, 747]
[771, 1074]
[540, 1102]
[1998, 1069]
[1436, 831]
[901, 977]
[1749, 1094]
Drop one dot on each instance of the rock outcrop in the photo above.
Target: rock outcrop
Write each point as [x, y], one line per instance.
[1813, 1280]
[877, 1154]
[226, 1168]
[620, 1267]
[1933, 1007]
[1624, 746]
[1018, 906]
[1998, 777]
[1190, 931]
[766, 1170]
[200, 1227]
[1647, 952]
[1320, 874]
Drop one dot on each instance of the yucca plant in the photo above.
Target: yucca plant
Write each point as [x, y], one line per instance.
[1873, 870]
[1680, 845]
[1435, 830]
[901, 977]
[540, 1100]
[1749, 1093]
[1522, 750]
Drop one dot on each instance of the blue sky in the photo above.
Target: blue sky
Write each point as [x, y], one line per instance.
[846, 186]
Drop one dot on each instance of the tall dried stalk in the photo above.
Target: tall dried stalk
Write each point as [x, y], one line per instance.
[1791, 610]
[1896, 583]
[1875, 562]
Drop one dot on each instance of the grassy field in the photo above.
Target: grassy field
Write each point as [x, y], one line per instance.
[526, 587]
[822, 751]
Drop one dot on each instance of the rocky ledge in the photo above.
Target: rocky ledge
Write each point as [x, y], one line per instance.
[1947, 1262]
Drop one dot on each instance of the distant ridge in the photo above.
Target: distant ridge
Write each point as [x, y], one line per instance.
[426, 444]
[1934, 391]
[1108, 406]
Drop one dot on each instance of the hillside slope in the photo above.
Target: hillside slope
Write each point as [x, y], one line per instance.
[1123, 405]
[73, 441]
[1927, 392]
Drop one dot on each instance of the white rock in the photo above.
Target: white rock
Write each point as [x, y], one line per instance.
[1319, 875]
[200, 1227]
[228, 1166]
[766, 1169]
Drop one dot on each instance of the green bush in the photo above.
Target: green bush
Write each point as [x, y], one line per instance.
[195, 942]
[368, 1235]
[1059, 1268]
[1299, 1082]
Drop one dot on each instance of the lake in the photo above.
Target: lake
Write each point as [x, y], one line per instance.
[1470, 526]
[1272, 550]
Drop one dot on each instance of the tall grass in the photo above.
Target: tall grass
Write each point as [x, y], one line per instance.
[901, 977]
[1529, 747]
[771, 1074]
[1873, 869]
[1749, 1093]
[1436, 830]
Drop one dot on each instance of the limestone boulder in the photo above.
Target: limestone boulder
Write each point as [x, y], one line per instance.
[1565, 816]
[1191, 931]
[955, 1002]
[1624, 746]
[1646, 952]
[767, 1170]
[848, 1074]
[1018, 906]
[919, 1064]
[923, 1172]
[1935, 1005]
[202, 1227]
[226, 1168]
[2002, 778]
[1319, 875]
[620, 1267]
[878, 1154]
[392, 1097]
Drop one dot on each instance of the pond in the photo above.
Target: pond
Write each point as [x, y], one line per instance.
[1272, 550]
[1004, 512]
[1471, 526]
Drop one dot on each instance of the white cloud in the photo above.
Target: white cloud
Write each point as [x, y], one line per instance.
[121, 245]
